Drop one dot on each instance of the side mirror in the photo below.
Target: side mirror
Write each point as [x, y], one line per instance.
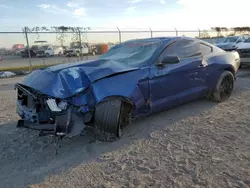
[169, 60]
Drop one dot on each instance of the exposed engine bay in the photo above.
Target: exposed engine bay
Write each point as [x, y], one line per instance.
[49, 115]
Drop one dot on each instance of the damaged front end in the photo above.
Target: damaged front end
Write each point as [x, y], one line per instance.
[49, 115]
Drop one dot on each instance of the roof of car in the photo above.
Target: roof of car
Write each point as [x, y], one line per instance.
[158, 39]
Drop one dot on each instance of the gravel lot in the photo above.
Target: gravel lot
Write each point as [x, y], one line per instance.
[201, 144]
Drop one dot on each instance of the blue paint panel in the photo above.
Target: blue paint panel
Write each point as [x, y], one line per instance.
[125, 85]
[175, 84]
[85, 98]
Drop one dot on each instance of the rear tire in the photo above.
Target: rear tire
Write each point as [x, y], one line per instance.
[107, 120]
[224, 87]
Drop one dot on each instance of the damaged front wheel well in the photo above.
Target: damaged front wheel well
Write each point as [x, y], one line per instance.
[125, 100]
[112, 115]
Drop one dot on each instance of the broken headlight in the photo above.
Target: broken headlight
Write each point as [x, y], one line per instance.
[54, 107]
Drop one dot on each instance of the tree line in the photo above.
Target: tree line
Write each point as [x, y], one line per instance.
[224, 32]
[61, 32]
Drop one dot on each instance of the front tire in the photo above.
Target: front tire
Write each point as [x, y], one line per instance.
[224, 87]
[107, 120]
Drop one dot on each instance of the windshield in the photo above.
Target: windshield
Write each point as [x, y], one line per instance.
[231, 39]
[132, 52]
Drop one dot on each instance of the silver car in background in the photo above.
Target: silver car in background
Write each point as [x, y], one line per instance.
[231, 43]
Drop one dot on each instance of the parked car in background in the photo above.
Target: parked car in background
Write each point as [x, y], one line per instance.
[244, 52]
[231, 43]
[49, 50]
[25, 52]
[39, 47]
[33, 49]
[133, 79]
[41, 51]
[76, 49]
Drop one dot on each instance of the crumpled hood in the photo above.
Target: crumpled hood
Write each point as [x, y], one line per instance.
[65, 80]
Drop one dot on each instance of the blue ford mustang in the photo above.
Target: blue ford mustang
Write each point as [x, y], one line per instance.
[135, 78]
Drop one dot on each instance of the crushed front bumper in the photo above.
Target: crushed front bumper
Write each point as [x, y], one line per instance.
[31, 125]
[69, 123]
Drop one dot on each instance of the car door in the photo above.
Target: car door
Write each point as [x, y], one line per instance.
[175, 84]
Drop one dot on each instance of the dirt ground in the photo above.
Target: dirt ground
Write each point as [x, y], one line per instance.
[201, 144]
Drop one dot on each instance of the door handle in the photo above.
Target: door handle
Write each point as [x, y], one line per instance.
[203, 63]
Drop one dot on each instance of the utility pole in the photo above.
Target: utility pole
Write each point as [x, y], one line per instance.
[28, 46]
[80, 40]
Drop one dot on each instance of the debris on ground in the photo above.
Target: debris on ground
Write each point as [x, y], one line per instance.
[6, 74]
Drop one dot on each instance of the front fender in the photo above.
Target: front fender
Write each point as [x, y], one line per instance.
[130, 85]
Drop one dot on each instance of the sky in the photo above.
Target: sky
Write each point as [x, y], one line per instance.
[125, 14]
[183, 14]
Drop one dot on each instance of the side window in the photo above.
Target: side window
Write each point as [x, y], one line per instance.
[205, 49]
[183, 49]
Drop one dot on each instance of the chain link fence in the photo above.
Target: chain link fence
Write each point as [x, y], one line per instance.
[19, 50]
